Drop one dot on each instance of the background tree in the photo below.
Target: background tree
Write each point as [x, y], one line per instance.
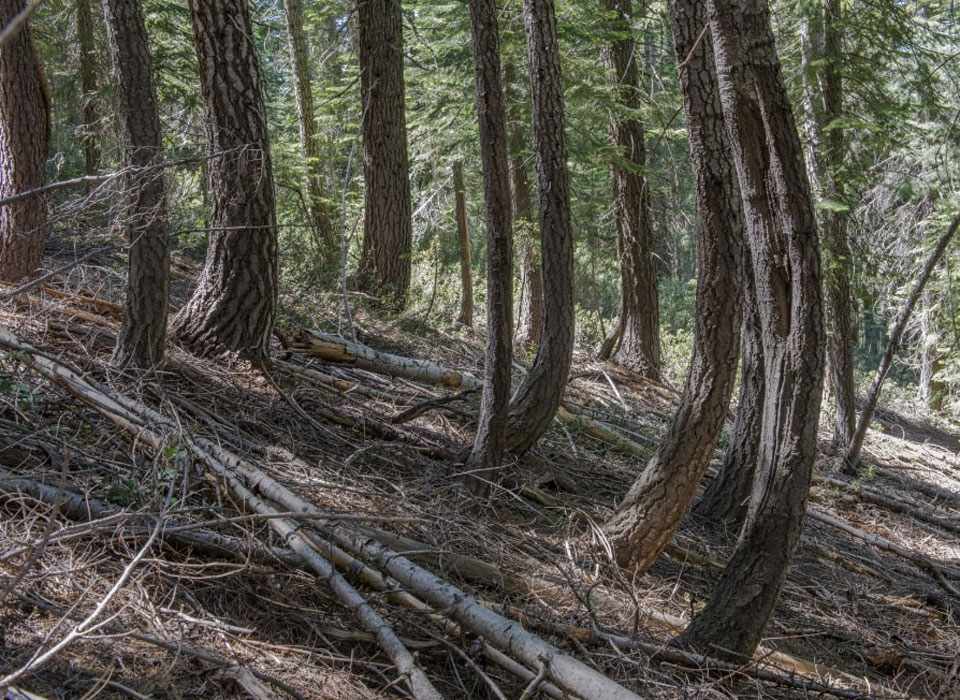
[233, 307]
[463, 234]
[24, 140]
[88, 84]
[142, 335]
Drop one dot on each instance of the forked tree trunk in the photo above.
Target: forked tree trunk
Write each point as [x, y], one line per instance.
[823, 98]
[539, 396]
[647, 518]
[142, 335]
[484, 461]
[782, 233]
[639, 348]
[309, 145]
[233, 307]
[385, 262]
[530, 323]
[88, 84]
[463, 235]
[725, 500]
[24, 139]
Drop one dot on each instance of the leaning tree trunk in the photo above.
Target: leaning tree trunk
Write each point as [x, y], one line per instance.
[782, 234]
[647, 518]
[144, 216]
[388, 229]
[530, 323]
[484, 461]
[725, 500]
[88, 84]
[539, 396]
[24, 139]
[639, 348]
[463, 235]
[233, 307]
[823, 99]
[309, 145]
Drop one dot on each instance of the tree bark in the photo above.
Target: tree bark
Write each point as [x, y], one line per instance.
[24, 140]
[539, 396]
[388, 229]
[530, 323]
[823, 100]
[647, 518]
[142, 335]
[639, 348]
[484, 462]
[88, 84]
[782, 232]
[233, 307]
[852, 455]
[931, 361]
[466, 275]
[309, 144]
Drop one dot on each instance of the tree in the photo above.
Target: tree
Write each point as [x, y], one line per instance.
[388, 229]
[142, 336]
[309, 146]
[484, 460]
[466, 276]
[639, 323]
[233, 307]
[827, 144]
[539, 395]
[88, 84]
[782, 234]
[24, 139]
[651, 512]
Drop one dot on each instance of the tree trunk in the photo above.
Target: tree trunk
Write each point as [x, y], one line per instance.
[931, 361]
[466, 276]
[142, 335]
[24, 139]
[782, 232]
[233, 307]
[88, 84]
[725, 500]
[639, 348]
[823, 99]
[530, 325]
[484, 461]
[653, 509]
[309, 145]
[539, 396]
[388, 229]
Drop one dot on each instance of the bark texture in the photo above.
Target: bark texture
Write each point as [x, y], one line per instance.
[388, 229]
[88, 84]
[306, 116]
[233, 307]
[463, 235]
[647, 518]
[782, 234]
[539, 396]
[639, 348]
[484, 461]
[24, 140]
[143, 332]
[823, 101]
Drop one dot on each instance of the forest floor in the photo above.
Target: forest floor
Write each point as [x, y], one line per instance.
[870, 608]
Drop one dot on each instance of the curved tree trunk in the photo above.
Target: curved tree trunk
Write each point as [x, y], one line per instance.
[725, 500]
[782, 232]
[653, 509]
[309, 145]
[466, 272]
[639, 348]
[233, 307]
[484, 461]
[88, 84]
[144, 327]
[388, 229]
[24, 139]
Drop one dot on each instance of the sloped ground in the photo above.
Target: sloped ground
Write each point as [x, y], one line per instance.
[240, 621]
